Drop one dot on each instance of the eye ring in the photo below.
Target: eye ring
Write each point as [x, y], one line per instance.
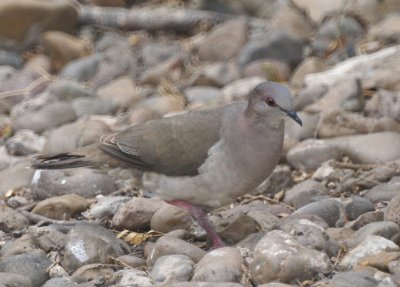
[270, 102]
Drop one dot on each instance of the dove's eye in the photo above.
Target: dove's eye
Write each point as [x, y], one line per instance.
[270, 102]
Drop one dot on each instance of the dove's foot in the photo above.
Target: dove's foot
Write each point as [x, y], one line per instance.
[198, 214]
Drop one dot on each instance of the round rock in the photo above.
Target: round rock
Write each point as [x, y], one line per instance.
[329, 209]
[82, 181]
[32, 265]
[14, 280]
[11, 220]
[220, 265]
[61, 207]
[172, 267]
[357, 207]
[278, 257]
[136, 214]
[169, 218]
[392, 211]
[91, 243]
[168, 245]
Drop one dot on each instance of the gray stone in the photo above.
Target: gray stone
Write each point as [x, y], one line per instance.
[308, 96]
[310, 154]
[19, 82]
[136, 214]
[220, 265]
[269, 69]
[330, 209]
[109, 40]
[153, 53]
[386, 30]
[48, 238]
[341, 123]
[11, 220]
[278, 257]
[173, 268]
[92, 272]
[353, 278]
[310, 235]
[107, 206]
[32, 265]
[346, 95]
[204, 284]
[265, 220]
[93, 106]
[384, 63]
[60, 282]
[250, 242]
[365, 219]
[25, 142]
[384, 104]
[91, 243]
[216, 74]
[17, 174]
[202, 94]
[168, 245]
[31, 104]
[275, 45]
[358, 206]
[235, 226]
[67, 90]
[50, 116]
[305, 192]
[62, 207]
[132, 261]
[371, 245]
[131, 277]
[169, 217]
[330, 30]
[392, 211]
[14, 280]
[224, 41]
[23, 244]
[384, 191]
[121, 92]
[386, 229]
[81, 181]
[71, 136]
[115, 63]
[82, 70]
[12, 59]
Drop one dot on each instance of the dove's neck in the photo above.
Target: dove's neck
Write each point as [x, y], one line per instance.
[259, 122]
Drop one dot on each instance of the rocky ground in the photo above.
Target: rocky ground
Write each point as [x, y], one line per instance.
[73, 70]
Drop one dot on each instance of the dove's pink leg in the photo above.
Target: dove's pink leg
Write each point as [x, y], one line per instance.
[198, 214]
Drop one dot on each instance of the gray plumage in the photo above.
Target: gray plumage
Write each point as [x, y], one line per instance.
[207, 157]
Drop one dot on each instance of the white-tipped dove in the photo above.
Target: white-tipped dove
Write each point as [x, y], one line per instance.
[204, 158]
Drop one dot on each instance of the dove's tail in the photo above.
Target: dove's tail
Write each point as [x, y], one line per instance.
[87, 156]
[61, 161]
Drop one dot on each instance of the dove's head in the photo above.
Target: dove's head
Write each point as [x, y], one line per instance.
[272, 100]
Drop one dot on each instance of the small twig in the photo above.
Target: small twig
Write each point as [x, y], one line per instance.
[355, 166]
[265, 198]
[338, 257]
[117, 261]
[36, 83]
[41, 220]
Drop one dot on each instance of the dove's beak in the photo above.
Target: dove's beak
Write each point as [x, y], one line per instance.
[293, 115]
